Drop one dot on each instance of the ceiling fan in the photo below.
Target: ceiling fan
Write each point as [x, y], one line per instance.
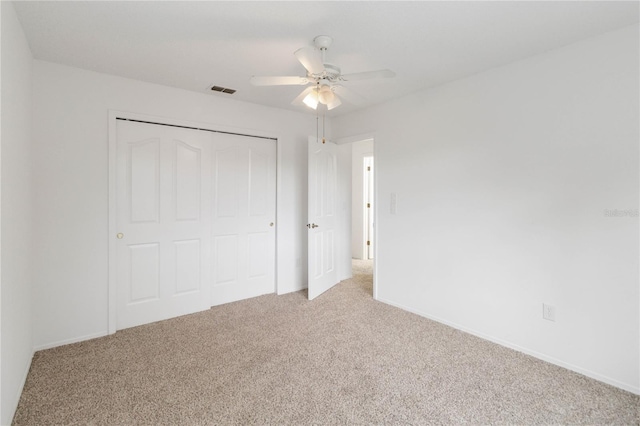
[325, 78]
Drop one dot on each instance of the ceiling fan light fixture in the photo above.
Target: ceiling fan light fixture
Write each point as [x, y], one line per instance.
[311, 100]
[336, 102]
[325, 96]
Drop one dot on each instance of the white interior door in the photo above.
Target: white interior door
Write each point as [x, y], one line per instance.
[244, 212]
[323, 176]
[163, 199]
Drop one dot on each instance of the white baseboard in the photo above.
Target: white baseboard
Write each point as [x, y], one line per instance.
[292, 290]
[605, 379]
[345, 277]
[20, 389]
[70, 341]
[301, 286]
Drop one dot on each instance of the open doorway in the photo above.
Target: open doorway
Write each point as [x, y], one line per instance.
[363, 209]
[362, 200]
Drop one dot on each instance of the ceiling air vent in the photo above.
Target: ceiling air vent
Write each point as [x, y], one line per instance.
[223, 89]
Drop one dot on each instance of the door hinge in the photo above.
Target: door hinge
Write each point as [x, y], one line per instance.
[368, 205]
[368, 243]
[368, 168]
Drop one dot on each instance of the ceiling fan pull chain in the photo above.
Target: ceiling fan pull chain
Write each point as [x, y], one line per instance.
[323, 140]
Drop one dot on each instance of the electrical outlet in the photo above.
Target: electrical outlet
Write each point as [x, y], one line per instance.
[548, 312]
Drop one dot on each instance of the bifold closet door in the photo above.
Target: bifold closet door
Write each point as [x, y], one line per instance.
[244, 213]
[164, 197]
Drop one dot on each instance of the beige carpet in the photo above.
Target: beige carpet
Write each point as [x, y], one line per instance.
[341, 359]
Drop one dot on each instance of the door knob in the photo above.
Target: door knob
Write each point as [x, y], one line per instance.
[271, 224]
[120, 235]
[312, 225]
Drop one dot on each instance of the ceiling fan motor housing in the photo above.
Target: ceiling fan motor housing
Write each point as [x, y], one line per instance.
[331, 72]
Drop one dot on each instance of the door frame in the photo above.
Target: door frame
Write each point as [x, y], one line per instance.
[113, 116]
[358, 138]
[368, 215]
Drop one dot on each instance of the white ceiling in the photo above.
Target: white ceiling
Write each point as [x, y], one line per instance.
[192, 45]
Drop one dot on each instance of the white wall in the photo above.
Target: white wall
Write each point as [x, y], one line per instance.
[360, 150]
[16, 237]
[502, 182]
[71, 187]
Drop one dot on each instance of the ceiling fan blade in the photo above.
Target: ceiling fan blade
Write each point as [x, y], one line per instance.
[298, 100]
[336, 102]
[369, 75]
[349, 95]
[311, 59]
[279, 81]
